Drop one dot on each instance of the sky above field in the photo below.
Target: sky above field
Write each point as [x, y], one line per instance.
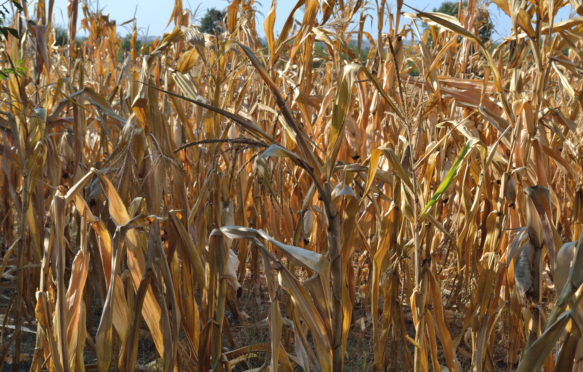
[154, 14]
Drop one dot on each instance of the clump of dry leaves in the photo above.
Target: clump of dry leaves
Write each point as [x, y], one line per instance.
[143, 191]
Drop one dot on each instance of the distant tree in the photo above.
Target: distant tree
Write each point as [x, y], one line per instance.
[18, 70]
[126, 44]
[79, 40]
[452, 8]
[208, 23]
[3, 14]
[449, 7]
[61, 37]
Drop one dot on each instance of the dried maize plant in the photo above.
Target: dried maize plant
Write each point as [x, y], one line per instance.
[422, 194]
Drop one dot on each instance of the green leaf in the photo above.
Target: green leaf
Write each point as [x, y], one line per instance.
[450, 177]
[13, 32]
[17, 5]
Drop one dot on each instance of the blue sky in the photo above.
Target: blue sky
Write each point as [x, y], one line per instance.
[156, 13]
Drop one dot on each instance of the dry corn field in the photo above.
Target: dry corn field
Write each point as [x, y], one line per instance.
[220, 203]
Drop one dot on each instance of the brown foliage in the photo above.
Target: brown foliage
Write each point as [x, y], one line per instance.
[140, 197]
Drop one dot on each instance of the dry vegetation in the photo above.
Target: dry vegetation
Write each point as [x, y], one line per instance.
[206, 203]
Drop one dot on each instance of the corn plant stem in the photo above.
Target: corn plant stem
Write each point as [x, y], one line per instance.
[132, 342]
[220, 253]
[20, 275]
[506, 175]
[379, 46]
[333, 236]
[420, 330]
[417, 262]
